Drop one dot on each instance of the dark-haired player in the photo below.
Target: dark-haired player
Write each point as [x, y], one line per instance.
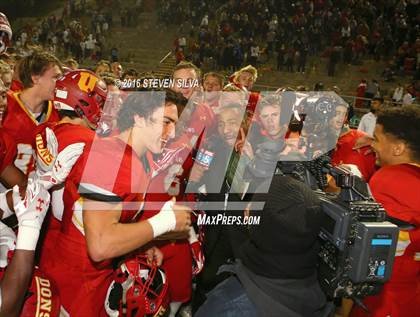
[103, 197]
[396, 186]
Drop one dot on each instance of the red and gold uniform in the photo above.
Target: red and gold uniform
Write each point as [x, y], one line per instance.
[20, 124]
[344, 154]
[66, 134]
[16, 86]
[7, 150]
[396, 187]
[108, 170]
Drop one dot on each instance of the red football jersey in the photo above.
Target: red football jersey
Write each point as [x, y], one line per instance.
[177, 262]
[396, 187]
[16, 86]
[20, 124]
[66, 134]
[7, 150]
[108, 167]
[344, 154]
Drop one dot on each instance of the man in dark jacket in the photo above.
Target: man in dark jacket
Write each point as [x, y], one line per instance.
[276, 271]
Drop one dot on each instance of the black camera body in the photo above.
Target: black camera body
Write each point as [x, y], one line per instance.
[357, 243]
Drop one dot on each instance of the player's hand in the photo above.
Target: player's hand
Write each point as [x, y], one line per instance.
[154, 255]
[7, 243]
[62, 166]
[31, 209]
[183, 217]
[65, 161]
[171, 217]
[30, 212]
[197, 257]
[196, 252]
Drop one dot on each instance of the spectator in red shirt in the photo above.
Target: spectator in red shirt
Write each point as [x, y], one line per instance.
[360, 92]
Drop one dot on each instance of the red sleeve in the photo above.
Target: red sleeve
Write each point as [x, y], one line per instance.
[344, 154]
[110, 167]
[109, 171]
[396, 187]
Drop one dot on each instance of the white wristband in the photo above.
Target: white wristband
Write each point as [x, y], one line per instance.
[164, 221]
[4, 206]
[27, 238]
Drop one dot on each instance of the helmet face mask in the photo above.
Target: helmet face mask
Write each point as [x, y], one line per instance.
[82, 92]
[5, 33]
[139, 289]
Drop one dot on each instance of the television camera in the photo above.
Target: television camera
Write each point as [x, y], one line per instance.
[357, 240]
[358, 243]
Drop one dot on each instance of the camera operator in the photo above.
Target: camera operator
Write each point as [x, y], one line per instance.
[396, 186]
[276, 271]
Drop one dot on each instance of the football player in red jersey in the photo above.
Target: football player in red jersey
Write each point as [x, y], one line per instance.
[396, 186]
[79, 98]
[32, 107]
[41, 298]
[9, 174]
[344, 152]
[196, 117]
[30, 212]
[103, 197]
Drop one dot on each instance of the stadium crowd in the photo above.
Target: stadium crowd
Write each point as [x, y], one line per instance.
[232, 34]
[100, 214]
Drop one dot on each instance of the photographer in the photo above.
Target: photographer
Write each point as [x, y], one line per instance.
[276, 271]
